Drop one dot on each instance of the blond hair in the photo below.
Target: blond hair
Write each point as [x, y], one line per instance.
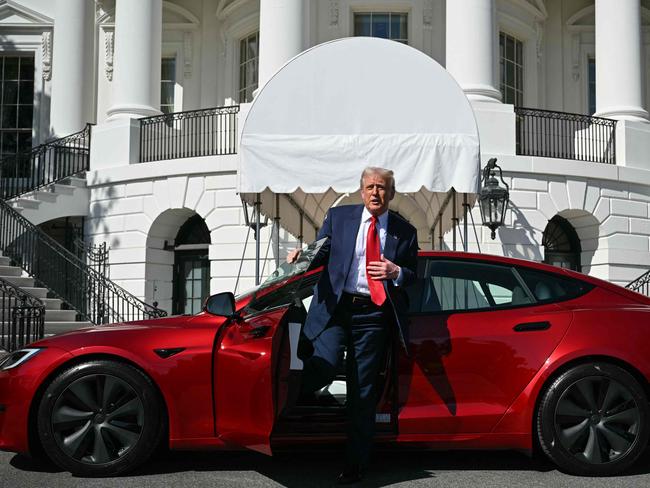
[384, 173]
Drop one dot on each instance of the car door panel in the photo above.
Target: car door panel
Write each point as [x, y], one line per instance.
[244, 387]
[465, 369]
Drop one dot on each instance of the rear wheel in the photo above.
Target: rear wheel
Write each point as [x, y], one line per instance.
[100, 418]
[593, 420]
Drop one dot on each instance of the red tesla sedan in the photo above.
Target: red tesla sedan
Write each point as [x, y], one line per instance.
[503, 354]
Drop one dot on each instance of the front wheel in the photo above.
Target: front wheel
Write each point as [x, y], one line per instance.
[100, 418]
[593, 420]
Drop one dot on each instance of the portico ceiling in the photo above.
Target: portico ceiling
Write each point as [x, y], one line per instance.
[347, 104]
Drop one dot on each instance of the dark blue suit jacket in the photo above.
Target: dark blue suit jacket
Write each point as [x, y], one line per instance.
[341, 226]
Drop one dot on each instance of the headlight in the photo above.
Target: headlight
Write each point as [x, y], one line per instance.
[17, 358]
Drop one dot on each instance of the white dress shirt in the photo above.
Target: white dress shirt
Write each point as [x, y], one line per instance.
[357, 281]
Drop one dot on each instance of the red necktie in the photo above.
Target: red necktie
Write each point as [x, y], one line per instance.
[373, 253]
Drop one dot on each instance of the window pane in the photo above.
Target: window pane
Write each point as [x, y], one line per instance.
[8, 116]
[11, 68]
[25, 116]
[398, 29]
[248, 72]
[242, 51]
[24, 141]
[548, 287]
[26, 93]
[10, 92]
[380, 26]
[9, 142]
[167, 84]
[168, 69]
[362, 24]
[510, 48]
[459, 285]
[252, 47]
[26, 68]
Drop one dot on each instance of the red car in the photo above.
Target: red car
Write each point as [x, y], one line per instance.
[503, 354]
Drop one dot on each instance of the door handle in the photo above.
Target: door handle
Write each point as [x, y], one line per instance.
[532, 326]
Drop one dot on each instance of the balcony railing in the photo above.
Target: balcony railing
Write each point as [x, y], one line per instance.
[194, 133]
[45, 164]
[22, 317]
[565, 136]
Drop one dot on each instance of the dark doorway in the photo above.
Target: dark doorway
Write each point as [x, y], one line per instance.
[191, 267]
[561, 244]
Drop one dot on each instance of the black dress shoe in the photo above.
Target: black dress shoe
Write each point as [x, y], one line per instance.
[350, 475]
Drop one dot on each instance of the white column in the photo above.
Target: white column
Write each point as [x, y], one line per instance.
[136, 66]
[281, 35]
[619, 91]
[471, 48]
[72, 80]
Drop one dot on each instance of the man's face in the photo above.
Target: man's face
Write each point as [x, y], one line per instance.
[376, 194]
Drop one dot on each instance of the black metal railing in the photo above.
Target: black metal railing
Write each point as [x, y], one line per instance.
[22, 317]
[45, 164]
[205, 132]
[95, 297]
[641, 284]
[563, 135]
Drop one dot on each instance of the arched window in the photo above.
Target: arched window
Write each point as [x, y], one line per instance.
[191, 266]
[561, 244]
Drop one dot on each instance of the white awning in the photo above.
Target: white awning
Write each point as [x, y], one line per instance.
[350, 103]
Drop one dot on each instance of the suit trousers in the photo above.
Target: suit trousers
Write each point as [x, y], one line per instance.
[361, 327]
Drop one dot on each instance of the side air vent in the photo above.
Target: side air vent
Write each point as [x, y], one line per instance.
[169, 352]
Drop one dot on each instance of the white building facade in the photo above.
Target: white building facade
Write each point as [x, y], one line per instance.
[162, 193]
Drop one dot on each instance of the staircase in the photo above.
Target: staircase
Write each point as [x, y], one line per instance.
[57, 320]
[66, 198]
[35, 187]
[641, 284]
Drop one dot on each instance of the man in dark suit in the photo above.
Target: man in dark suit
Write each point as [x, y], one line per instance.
[369, 257]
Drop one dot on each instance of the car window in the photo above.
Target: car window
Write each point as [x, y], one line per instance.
[448, 285]
[548, 287]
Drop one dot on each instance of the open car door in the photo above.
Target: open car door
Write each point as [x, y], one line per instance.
[246, 357]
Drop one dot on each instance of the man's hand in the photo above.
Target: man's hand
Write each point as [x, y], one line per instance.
[293, 256]
[382, 270]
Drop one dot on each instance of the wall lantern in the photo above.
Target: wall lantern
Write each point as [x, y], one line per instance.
[493, 199]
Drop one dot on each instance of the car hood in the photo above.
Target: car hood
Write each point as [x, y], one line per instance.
[154, 327]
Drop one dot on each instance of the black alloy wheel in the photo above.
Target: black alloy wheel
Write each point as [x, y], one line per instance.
[593, 420]
[100, 418]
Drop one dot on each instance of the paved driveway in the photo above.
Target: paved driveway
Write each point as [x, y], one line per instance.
[305, 470]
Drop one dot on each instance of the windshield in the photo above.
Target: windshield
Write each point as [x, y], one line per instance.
[288, 270]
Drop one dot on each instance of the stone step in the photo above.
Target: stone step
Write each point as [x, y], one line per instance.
[73, 181]
[60, 327]
[5, 261]
[60, 316]
[51, 304]
[62, 189]
[26, 203]
[20, 281]
[10, 271]
[45, 196]
[36, 291]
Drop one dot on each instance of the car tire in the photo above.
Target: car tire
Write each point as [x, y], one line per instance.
[100, 418]
[593, 420]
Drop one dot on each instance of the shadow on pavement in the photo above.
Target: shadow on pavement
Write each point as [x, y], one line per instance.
[319, 468]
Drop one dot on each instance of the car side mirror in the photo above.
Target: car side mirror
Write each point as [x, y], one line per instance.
[222, 304]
